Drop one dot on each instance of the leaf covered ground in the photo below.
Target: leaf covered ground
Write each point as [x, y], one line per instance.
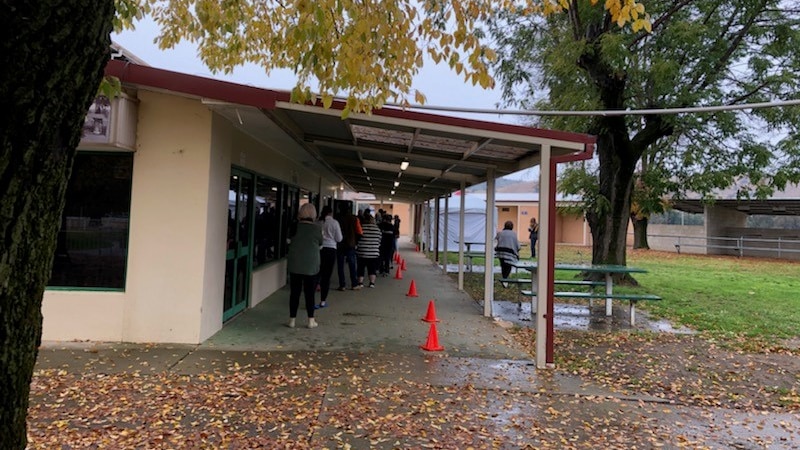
[687, 369]
[704, 395]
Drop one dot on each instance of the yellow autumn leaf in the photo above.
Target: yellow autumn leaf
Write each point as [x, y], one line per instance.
[371, 51]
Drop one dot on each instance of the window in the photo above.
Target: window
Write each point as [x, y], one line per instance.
[92, 247]
[275, 209]
[266, 230]
[291, 206]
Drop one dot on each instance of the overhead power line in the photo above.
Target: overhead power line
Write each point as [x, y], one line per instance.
[626, 112]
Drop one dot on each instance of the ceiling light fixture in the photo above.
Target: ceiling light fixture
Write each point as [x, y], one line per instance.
[404, 165]
[396, 183]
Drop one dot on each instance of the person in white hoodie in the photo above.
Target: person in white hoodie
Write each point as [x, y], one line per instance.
[331, 235]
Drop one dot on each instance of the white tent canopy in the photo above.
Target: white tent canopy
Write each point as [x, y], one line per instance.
[474, 222]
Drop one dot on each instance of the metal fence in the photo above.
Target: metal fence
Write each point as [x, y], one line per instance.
[778, 247]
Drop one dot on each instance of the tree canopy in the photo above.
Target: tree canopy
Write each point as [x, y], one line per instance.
[698, 53]
[368, 51]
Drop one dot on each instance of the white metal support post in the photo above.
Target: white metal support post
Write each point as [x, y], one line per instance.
[488, 279]
[435, 222]
[427, 219]
[462, 204]
[446, 226]
[544, 273]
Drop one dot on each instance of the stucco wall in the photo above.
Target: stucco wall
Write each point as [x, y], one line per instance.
[571, 229]
[400, 209]
[508, 212]
[169, 212]
[692, 238]
[717, 220]
[168, 226]
[178, 224]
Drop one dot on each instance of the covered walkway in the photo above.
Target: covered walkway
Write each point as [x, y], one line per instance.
[380, 319]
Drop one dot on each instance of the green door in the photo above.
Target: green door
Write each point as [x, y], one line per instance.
[240, 247]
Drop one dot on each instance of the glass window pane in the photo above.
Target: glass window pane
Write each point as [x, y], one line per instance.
[92, 248]
[266, 225]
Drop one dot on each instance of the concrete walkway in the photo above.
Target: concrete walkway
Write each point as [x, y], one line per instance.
[383, 318]
[379, 332]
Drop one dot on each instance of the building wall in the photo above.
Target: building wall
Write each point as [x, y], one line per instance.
[168, 226]
[247, 153]
[691, 238]
[571, 229]
[757, 242]
[402, 210]
[178, 224]
[217, 220]
[506, 213]
[717, 221]
[526, 213]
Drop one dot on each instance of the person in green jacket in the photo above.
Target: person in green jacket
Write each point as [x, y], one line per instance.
[304, 262]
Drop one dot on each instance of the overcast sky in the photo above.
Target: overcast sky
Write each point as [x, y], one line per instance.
[439, 83]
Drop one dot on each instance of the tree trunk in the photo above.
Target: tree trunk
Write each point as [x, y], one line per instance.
[609, 223]
[52, 59]
[639, 232]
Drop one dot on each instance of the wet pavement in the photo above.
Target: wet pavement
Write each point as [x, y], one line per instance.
[583, 317]
[369, 342]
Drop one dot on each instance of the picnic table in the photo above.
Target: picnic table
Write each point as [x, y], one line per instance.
[607, 270]
[469, 254]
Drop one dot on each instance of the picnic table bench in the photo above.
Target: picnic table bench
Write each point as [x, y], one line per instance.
[608, 270]
[632, 298]
[557, 282]
[469, 254]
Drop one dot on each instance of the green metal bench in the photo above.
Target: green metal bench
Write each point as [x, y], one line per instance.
[563, 282]
[586, 283]
[632, 298]
[469, 255]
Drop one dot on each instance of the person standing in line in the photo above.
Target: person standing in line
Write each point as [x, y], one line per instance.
[507, 249]
[387, 244]
[368, 251]
[346, 249]
[304, 263]
[396, 232]
[331, 236]
[533, 229]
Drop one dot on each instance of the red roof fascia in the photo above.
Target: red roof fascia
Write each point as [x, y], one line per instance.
[192, 84]
[265, 98]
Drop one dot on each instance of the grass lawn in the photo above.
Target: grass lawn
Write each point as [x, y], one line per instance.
[720, 295]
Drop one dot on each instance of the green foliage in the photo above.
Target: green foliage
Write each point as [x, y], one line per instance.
[367, 52]
[704, 52]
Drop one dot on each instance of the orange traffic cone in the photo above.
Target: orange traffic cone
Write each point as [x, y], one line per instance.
[412, 290]
[397, 257]
[431, 316]
[416, 248]
[398, 275]
[433, 341]
[403, 264]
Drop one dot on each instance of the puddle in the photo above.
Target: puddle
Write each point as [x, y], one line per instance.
[583, 317]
